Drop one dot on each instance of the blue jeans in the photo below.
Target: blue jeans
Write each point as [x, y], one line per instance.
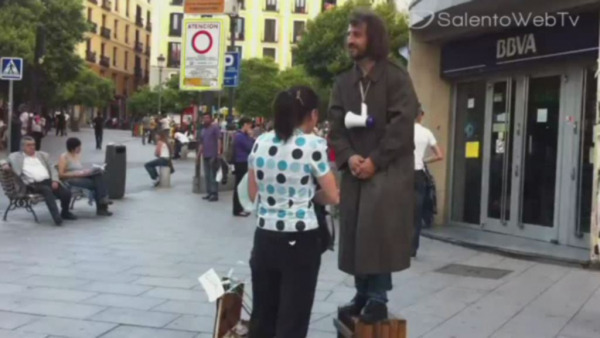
[373, 287]
[210, 173]
[420, 186]
[151, 166]
[95, 183]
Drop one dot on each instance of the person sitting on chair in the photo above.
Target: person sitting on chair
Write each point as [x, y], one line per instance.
[71, 171]
[34, 169]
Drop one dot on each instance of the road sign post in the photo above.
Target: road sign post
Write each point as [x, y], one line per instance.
[11, 69]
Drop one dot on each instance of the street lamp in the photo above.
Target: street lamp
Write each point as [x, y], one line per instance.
[161, 63]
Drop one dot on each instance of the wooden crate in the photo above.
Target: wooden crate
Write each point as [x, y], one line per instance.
[352, 327]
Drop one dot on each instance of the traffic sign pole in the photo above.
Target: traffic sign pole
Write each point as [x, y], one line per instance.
[10, 116]
[232, 49]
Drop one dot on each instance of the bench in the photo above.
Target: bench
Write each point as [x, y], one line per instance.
[352, 327]
[10, 184]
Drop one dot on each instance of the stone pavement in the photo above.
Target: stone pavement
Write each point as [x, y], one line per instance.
[135, 275]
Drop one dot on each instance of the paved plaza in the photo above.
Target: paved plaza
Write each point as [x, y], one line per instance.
[135, 274]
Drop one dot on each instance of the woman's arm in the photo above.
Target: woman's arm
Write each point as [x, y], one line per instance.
[329, 193]
[252, 185]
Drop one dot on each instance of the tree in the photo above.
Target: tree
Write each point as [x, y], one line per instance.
[322, 48]
[50, 29]
[88, 89]
[259, 84]
[143, 102]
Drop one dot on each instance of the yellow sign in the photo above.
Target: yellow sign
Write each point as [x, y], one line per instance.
[203, 54]
[204, 6]
[472, 150]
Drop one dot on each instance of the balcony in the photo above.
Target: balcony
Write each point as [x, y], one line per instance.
[149, 26]
[90, 56]
[271, 8]
[105, 61]
[300, 10]
[105, 33]
[139, 22]
[139, 47]
[148, 50]
[107, 5]
[93, 27]
[146, 78]
[175, 32]
[270, 39]
[176, 2]
[95, 2]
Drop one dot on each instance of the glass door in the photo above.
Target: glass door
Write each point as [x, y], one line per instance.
[498, 155]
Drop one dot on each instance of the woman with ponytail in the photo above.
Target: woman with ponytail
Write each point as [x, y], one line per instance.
[285, 166]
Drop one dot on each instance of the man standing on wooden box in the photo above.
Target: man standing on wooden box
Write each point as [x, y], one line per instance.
[377, 163]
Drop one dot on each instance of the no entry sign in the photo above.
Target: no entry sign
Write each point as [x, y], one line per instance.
[203, 54]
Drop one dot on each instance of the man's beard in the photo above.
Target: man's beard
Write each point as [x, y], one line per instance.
[359, 56]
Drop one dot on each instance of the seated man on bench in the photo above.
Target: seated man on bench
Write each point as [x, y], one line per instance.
[40, 177]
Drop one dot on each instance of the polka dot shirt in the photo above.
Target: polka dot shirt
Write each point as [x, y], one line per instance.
[285, 174]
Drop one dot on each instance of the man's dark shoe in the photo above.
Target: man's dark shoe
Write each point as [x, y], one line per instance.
[68, 216]
[207, 197]
[213, 198]
[374, 312]
[353, 308]
[58, 221]
[103, 212]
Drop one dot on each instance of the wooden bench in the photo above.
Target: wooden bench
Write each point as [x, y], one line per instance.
[351, 327]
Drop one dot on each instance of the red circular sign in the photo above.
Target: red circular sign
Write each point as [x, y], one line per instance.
[195, 38]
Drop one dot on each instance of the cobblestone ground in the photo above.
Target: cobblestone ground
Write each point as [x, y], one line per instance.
[135, 274]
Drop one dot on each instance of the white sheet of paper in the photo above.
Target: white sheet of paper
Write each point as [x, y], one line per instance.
[211, 282]
[542, 115]
[498, 97]
[501, 117]
[471, 103]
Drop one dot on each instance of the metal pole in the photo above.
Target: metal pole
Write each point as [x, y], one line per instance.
[231, 49]
[159, 90]
[10, 116]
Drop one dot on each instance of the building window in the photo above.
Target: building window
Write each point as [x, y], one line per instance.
[88, 45]
[117, 6]
[270, 30]
[176, 2]
[300, 6]
[270, 53]
[271, 5]
[240, 24]
[127, 8]
[116, 29]
[102, 49]
[126, 33]
[115, 56]
[126, 60]
[104, 20]
[241, 4]
[299, 27]
[89, 14]
[174, 60]
[175, 24]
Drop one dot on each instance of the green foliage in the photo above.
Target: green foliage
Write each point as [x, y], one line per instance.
[63, 26]
[258, 86]
[143, 102]
[175, 100]
[322, 48]
[88, 89]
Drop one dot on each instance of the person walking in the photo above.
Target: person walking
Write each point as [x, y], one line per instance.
[376, 165]
[163, 158]
[284, 169]
[60, 123]
[242, 145]
[99, 130]
[37, 130]
[424, 140]
[72, 172]
[211, 149]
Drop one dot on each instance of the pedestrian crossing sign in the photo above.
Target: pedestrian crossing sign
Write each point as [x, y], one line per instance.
[11, 68]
